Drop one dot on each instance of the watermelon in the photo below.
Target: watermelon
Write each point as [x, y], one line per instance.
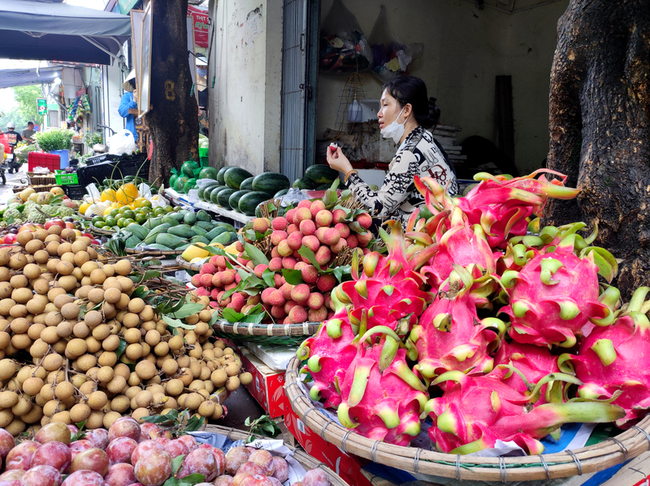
[190, 184]
[247, 184]
[180, 182]
[234, 176]
[220, 175]
[280, 193]
[222, 197]
[204, 188]
[270, 182]
[208, 173]
[321, 174]
[304, 183]
[250, 201]
[233, 200]
[215, 193]
[190, 168]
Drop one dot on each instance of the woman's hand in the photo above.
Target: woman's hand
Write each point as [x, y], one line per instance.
[337, 160]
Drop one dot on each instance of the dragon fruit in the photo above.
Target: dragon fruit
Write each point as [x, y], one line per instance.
[459, 243]
[500, 205]
[329, 353]
[477, 411]
[612, 362]
[382, 397]
[555, 294]
[450, 335]
[534, 363]
[387, 291]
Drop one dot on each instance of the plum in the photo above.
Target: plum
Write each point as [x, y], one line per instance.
[200, 461]
[84, 478]
[124, 427]
[153, 467]
[121, 474]
[235, 457]
[99, 437]
[120, 450]
[54, 431]
[144, 446]
[42, 476]
[55, 454]
[7, 442]
[316, 477]
[91, 460]
[263, 459]
[281, 469]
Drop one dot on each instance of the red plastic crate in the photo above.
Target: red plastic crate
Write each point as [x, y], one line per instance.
[41, 159]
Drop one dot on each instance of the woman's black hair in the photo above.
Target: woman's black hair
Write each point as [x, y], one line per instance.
[132, 82]
[409, 89]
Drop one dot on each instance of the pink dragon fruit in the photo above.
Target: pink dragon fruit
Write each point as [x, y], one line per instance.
[555, 294]
[329, 353]
[612, 362]
[534, 363]
[450, 335]
[459, 243]
[477, 411]
[388, 289]
[500, 205]
[382, 397]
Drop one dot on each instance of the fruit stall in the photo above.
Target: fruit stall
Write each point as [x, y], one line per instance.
[473, 346]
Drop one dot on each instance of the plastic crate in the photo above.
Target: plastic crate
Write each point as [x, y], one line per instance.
[97, 159]
[130, 165]
[41, 159]
[74, 191]
[63, 178]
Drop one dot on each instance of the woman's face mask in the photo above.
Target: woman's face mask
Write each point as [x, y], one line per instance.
[202, 72]
[394, 130]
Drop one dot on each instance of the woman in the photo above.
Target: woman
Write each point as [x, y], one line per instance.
[128, 103]
[404, 115]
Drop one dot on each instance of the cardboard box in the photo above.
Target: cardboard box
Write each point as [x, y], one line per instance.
[267, 386]
[346, 466]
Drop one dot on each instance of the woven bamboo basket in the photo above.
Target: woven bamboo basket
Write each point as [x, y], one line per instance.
[280, 334]
[153, 252]
[610, 452]
[301, 456]
[100, 231]
[192, 267]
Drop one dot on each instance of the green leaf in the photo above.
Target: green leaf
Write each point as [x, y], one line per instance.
[81, 433]
[176, 323]
[341, 272]
[255, 255]
[121, 348]
[213, 319]
[140, 292]
[177, 462]
[231, 315]
[192, 479]
[195, 423]
[269, 278]
[188, 310]
[293, 277]
[309, 255]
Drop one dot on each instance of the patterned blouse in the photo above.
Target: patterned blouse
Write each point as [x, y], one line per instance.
[398, 197]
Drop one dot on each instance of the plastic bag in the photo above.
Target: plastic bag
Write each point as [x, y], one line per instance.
[391, 56]
[122, 143]
[344, 47]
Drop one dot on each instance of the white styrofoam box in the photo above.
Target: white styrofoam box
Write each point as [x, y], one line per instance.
[275, 357]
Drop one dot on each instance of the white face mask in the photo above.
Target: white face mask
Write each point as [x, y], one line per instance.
[394, 130]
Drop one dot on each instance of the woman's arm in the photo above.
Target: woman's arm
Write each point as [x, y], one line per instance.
[126, 103]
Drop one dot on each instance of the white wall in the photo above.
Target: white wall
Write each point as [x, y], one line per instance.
[464, 49]
[112, 94]
[245, 105]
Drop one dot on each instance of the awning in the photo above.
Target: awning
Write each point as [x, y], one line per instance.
[57, 31]
[25, 77]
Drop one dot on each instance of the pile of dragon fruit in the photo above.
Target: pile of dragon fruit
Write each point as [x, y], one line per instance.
[486, 324]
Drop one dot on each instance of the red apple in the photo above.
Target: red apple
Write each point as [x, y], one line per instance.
[55, 222]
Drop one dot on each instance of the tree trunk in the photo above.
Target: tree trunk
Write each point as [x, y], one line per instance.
[173, 119]
[600, 127]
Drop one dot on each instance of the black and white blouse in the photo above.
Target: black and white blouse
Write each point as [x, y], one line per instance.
[398, 198]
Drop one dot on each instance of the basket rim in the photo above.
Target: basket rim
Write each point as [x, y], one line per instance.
[627, 445]
[252, 329]
[145, 251]
[301, 456]
[100, 231]
[195, 267]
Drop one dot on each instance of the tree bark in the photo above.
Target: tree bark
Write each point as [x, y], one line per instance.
[173, 118]
[600, 127]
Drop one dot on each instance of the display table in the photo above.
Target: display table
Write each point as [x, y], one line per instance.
[183, 199]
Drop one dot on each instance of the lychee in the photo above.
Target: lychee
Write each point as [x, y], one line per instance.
[276, 298]
[278, 312]
[318, 315]
[315, 301]
[266, 294]
[338, 247]
[352, 241]
[307, 227]
[208, 268]
[279, 223]
[277, 236]
[300, 293]
[254, 299]
[259, 270]
[275, 253]
[289, 304]
[230, 286]
[228, 276]
[196, 280]
[292, 228]
[214, 259]
[323, 218]
[331, 237]
[339, 215]
[364, 220]
[295, 240]
[289, 263]
[278, 280]
[289, 215]
[309, 274]
[300, 265]
[202, 292]
[275, 264]
[286, 291]
[237, 302]
[305, 203]
[284, 249]
[215, 293]
[297, 315]
[343, 229]
[323, 255]
[239, 246]
[364, 238]
[316, 206]
[311, 242]
[206, 280]
[325, 282]
[261, 224]
[301, 215]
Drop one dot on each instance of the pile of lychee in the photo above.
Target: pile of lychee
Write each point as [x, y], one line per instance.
[76, 345]
[129, 453]
[326, 233]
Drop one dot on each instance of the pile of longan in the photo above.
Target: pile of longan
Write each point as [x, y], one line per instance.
[74, 345]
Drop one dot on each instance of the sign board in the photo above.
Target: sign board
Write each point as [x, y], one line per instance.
[41, 106]
[144, 82]
[200, 24]
[136, 42]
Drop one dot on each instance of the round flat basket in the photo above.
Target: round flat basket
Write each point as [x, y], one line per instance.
[302, 457]
[185, 265]
[152, 252]
[280, 334]
[610, 452]
[100, 231]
